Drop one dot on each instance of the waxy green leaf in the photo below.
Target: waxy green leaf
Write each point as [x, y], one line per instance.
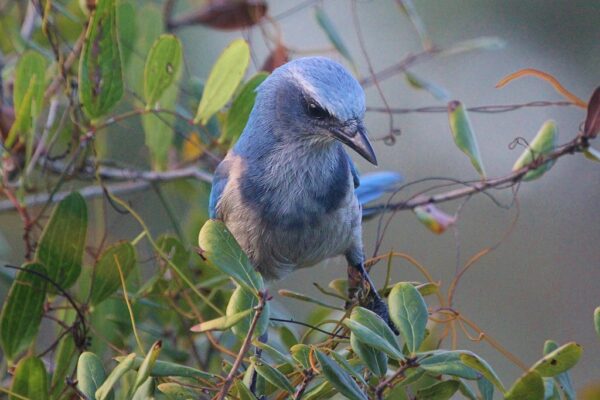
[238, 114]
[486, 388]
[65, 358]
[30, 380]
[439, 391]
[90, 374]
[105, 390]
[162, 69]
[165, 368]
[420, 83]
[408, 311]
[61, 246]
[345, 364]
[147, 365]
[106, 273]
[221, 249]
[243, 300]
[563, 379]
[376, 360]
[464, 136]
[339, 378]
[23, 309]
[597, 321]
[560, 360]
[224, 78]
[543, 144]
[272, 375]
[443, 362]
[176, 391]
[370, 329]
[300, 352]
[479, 364]
[529, 386]
[100, 71]
[242, 391]
[222, 323]
[332, 33]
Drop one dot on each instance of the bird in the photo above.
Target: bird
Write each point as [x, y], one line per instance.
[287, 190]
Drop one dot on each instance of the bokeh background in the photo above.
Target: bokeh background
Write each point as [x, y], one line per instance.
[543, 281]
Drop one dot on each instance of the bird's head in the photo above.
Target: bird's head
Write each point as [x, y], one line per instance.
[317, 100]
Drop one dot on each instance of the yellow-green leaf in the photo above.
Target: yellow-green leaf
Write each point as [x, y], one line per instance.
[419, 83]
[529, 386]
[370, 329]
[105, 390]
[543, 144]
[223, 80]
[23, 309]
[592, 154]
[100, 71]
[597, 320]
[241, 301]
[106, 274]
[90, 374]
[272, 375]
[30, 380]
[222, 323]
[176, 391]
[221, 249]
[147, 365]
[409, 313]
[242, 391]
[464, 136]
[61, 246]
[560, 360]
[376, 360]
[563, 379]
[439, 391]
[479, 364]
[238, 114]
[163, 65]
[300, 352]
[443, 362]
[433, 218]
[165, 368]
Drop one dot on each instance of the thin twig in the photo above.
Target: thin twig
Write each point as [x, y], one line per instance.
[409, 363]
[247, 340]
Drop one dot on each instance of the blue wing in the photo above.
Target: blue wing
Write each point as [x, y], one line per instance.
[375, 184]
[219, 182]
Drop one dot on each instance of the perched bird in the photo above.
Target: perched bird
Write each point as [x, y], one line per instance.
[286, 190]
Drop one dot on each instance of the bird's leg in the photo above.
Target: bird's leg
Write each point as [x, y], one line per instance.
[357, 277]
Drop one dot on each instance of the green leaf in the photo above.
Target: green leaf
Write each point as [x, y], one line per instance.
[486, 389]
[300, 352]
[439, 391]
[165, 368]
[241, 300]
[420, 83]
[106, 273]
[543, 144]
[564, 379]
[321, 391]
[238, 114]
[560, 360]
[147, 365]
[550, 390]
[275, 354]
[332, 34]
[64, 362]
[126, 18]
[221, 250]
[370, 329]
[61, 246]
[30, 380]
[409, 313]
[222, 323]
[163, 65]
[443, 362]
[242, 391]
[345, 364]
[159, 130]
[375, 360]
[597, 321]
[339, 378]
[90, 374]
[22, 310]
[529, 386]
[100, 74]
[464, 136]
[482, 43]
[428, 288]
[308, 299]
[145, 390]
[479, 364]
[105, 390]
[176, 391]
[272, 375]
[592, 154]
[466, 391]
[223, 80]
[28, 93]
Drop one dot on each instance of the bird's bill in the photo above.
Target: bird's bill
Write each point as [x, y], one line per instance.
[355, 137]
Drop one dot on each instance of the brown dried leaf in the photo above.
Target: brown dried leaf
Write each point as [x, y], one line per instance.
[278, 56]
[592, 120]
[224, 14]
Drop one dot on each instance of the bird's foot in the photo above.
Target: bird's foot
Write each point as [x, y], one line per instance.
[362, 291]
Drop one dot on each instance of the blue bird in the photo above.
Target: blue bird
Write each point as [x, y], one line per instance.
[288, 190]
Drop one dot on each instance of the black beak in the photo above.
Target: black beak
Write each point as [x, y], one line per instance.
[355, 136]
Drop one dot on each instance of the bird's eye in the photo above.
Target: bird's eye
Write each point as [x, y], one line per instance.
[316, 111]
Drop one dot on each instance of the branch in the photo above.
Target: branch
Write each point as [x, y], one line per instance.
[409, 363]
[71, 58]
[577, 145]
[236, 364]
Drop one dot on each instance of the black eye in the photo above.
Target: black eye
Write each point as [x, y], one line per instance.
[316, 111]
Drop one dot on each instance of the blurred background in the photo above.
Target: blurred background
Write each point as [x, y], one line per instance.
[543, 281]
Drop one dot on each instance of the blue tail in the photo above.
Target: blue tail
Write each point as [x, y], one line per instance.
[374, 185]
